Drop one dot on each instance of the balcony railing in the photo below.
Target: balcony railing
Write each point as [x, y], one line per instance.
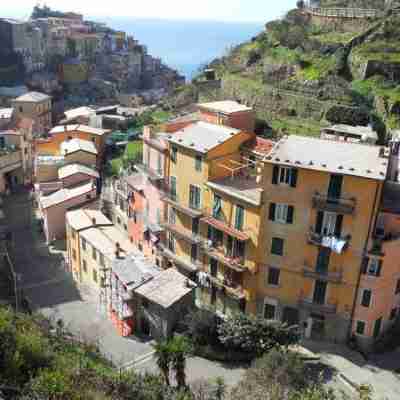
[234, 262]
[152, 174]
[174, 200]
[328, 276]
[325, 308]
[182, 262]
[183, 233]
[330, 241]
[339, 205]
[231, 288]
[10, 159]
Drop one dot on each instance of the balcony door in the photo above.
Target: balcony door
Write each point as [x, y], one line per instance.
[323, 260]
[213, 267]
[335, 188]
[320, 292]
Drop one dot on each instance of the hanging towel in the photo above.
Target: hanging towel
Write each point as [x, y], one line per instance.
[338, 245]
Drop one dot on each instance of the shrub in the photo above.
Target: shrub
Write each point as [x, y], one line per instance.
[201, 327]
[254, 334]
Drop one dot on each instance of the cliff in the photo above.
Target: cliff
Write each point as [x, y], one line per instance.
[317, 66]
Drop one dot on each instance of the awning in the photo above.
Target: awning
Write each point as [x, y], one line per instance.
[220, 225]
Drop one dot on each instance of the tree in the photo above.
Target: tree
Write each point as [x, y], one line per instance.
[254, 334]
[180, 349]
[163, 356]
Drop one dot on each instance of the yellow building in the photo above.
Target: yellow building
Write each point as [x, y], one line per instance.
[74, 72]
[322, 199]
[213, 216]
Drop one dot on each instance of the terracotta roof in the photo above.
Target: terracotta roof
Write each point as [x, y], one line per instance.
[260, 145]
[220, 225]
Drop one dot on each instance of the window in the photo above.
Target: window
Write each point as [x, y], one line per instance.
[21, 109]
[73, 234]
[213, 267]
[173, 187]
[193, 253]
[324, 254]
[74, 254]
[174, 154]
[377, 327]
[281, 213]
[360, 327]
[273, 276]
[252, 161]
[84, 265]
[171, 242]
[95, 275]
[134, 217]
[397, 291]
[83, 244]
[125, 227]
[335, 187]
[366, 298]
[172, 216]
[239, 218]
[329, 223]
[118, 220]
[194, 197]
[320, 289]
[159, 164]
[269, 311]
[393, 314]
[88, 196]
[198, 163]
[217, 207]
[284, 176]
[277, 246]
[195, 226]
[374, 267]
[102, 262]
[94, 253]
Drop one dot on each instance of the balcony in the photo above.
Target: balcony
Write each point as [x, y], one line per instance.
[224, 227]
[235, 263]
[328, 276]
[231, 288]
[173, 200]
[152, 174]
[183, 233]
[189, 266]
[10, 159]
[325, 308]
[338, 205]
[331, 241]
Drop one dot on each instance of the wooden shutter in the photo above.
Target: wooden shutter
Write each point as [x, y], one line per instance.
[364, 265]
[275, 175]
[290, 214]
[272, 207]
[338, 226]
[378, 272]
[320, 219]
[293, 177]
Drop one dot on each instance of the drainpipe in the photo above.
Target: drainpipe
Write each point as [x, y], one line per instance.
[370, 225]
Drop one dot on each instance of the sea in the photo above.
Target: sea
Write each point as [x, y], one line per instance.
[186, 45]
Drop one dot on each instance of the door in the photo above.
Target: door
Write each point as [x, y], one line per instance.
[329, 223]
[335, 187]
[213, 267]
[193, 253]
[323, 260]
[319, 292]
[195, 226]
[173, 187]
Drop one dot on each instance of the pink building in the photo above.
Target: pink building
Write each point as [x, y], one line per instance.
[54, 207]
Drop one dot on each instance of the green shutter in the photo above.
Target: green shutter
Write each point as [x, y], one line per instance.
[293, 177]
[290, 215]
[275, 175]
[272, 207]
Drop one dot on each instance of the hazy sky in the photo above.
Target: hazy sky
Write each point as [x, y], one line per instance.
[224, 10]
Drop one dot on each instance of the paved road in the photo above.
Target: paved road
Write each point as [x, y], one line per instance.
[50, 289]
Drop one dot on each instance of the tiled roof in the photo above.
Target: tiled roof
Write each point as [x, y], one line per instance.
[84, 218]
[329, 156]
[33, 97]
[72, 169]
[260, 145]
[166, 288]
[202, 136]
[76, 144]
[65, 194]
[80, 128]
[226, 106]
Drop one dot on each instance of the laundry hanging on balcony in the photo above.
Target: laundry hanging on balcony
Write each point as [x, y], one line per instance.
[335, 244]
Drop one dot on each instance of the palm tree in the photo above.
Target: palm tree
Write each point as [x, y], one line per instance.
[163, 356]
[180, 348]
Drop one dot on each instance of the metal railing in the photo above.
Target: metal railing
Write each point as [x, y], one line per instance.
[325, 308]
[330, 276]
[340, 205]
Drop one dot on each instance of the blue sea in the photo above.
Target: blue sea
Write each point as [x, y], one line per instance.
[186, 45]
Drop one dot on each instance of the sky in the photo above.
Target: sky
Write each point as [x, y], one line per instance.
[220, 10]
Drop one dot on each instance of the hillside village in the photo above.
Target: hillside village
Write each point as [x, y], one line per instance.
[276, 198]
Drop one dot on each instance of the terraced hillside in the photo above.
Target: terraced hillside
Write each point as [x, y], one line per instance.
[303, 72]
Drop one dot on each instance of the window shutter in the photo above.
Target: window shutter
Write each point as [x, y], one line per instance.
[272, 207]
[275, 175]
[290, 214]
[378, 272]
[364, 265]
[320, 218]
[293, 177]
[338, 226]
